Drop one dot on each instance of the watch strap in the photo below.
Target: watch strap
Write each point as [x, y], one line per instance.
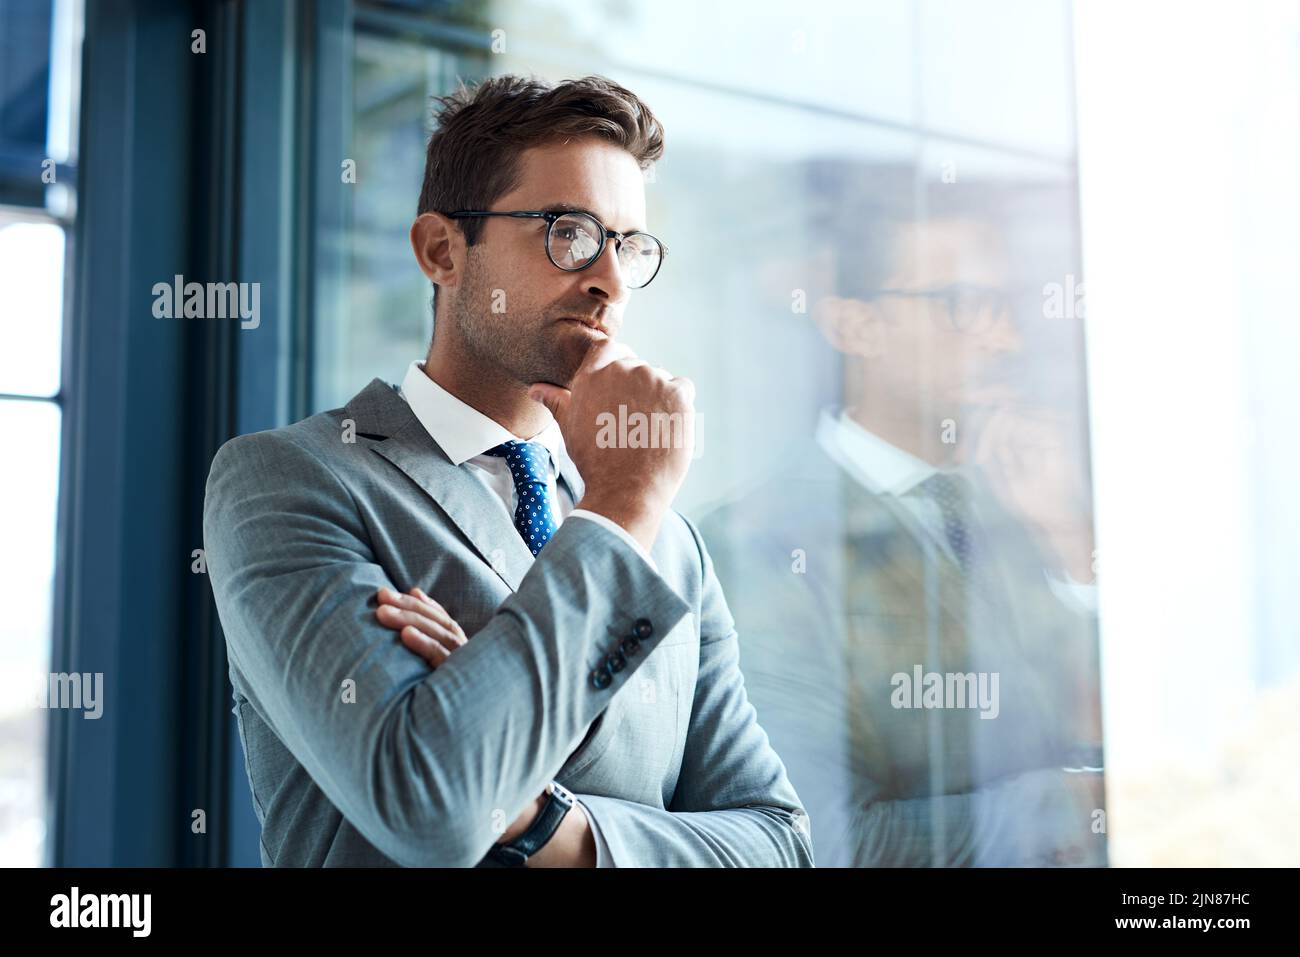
[543, 828]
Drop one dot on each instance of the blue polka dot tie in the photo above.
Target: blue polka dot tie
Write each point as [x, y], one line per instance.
[530, 468]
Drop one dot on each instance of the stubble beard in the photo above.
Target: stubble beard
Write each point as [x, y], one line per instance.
[521, 347]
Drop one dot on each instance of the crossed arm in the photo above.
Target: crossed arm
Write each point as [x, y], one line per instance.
[428, 630]
[424, 762]
[712, 820]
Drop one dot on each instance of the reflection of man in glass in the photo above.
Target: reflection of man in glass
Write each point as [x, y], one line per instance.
[920, 646]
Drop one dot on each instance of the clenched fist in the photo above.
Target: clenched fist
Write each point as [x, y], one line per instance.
[631, 473]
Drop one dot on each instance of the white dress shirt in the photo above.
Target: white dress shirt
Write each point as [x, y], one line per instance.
[885, 469]
[465, 434]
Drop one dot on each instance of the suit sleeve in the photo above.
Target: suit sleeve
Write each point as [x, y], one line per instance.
[427, 765]
[734, 805]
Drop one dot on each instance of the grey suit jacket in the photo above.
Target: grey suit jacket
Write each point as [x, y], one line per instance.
[358, 754]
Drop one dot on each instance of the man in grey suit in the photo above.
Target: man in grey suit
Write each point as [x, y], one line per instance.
[456, 609]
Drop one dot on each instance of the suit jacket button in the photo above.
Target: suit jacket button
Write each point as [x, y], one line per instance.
[642, 629]
[630, 646]
[615, 661]
[601, 677]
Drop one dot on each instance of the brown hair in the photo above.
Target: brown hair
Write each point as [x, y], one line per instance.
[473, 154]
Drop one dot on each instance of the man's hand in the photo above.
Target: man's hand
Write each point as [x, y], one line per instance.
[423, 625]
[633, 486]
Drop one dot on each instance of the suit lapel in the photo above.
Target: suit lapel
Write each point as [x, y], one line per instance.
[385, 418]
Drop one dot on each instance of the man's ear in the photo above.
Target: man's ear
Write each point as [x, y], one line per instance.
[439, 248]
[851, 326]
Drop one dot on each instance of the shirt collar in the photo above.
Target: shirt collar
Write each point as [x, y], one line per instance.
[877, 464]
[461, 430]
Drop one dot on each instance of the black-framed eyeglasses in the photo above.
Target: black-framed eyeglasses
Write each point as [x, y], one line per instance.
[968, 307]
[575, 240]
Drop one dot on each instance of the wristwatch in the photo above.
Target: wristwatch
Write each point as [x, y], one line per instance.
[517, 852]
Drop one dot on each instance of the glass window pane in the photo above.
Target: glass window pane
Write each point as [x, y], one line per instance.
[31, 332]
[28, 504]
[885, 325]
[998, 71]
[768, 52]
